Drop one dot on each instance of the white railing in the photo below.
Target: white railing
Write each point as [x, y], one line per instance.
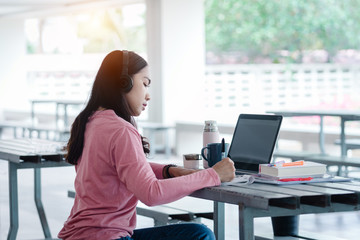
[231, 89]
[246, 87]
[69, 85]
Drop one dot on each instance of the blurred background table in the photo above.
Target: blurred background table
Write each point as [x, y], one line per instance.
[58, 103]
[344, 115]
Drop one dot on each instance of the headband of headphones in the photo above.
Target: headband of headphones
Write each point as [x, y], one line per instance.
[125, 63]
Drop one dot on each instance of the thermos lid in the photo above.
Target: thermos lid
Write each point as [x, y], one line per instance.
[210, 126]
[210, 122]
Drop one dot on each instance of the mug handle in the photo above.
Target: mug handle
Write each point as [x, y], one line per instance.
[203, 154]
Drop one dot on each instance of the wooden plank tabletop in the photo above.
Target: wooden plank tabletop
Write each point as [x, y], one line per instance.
[336, 195]
[248, 197]
[297, 196]
[305, 197]
[31, 150]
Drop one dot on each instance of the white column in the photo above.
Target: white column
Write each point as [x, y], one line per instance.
[154, 52]
[13, 86]
[176, 54]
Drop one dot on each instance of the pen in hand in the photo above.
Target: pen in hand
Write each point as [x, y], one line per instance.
[223, 148]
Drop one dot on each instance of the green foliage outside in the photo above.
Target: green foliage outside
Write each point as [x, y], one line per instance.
[281, 30]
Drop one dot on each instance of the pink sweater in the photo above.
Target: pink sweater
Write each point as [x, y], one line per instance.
[113, 174]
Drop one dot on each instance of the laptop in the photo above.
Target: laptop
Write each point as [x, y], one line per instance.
[253, 141]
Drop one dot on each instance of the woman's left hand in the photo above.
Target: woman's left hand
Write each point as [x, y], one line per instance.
[180, 171]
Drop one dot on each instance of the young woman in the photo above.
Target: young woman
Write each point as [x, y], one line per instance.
[112, 172]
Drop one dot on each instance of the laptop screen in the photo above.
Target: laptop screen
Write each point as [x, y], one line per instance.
[254, 140]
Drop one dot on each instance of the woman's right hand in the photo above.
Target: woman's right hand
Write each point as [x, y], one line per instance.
[225, 169]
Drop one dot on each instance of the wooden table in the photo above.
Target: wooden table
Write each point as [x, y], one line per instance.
[22, 154]
[266, 200]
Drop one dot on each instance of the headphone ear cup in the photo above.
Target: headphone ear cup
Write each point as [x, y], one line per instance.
[126, 83]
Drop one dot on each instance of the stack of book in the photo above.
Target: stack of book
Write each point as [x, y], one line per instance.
[292, 171]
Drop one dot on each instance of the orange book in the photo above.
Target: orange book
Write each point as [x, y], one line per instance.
[297, 163]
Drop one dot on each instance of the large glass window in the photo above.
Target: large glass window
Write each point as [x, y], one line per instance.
[270, 55]
[64, 52]
[97, 31]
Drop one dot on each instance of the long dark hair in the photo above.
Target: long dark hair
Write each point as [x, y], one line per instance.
[107, 93]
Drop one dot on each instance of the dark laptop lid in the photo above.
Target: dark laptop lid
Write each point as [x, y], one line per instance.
[254, 140]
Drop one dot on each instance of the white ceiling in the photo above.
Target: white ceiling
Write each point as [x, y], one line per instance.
[31, 8]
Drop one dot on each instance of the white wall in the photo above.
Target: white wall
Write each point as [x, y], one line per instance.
[12, 72]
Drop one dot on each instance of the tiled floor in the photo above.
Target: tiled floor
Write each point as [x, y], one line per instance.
[56, 182]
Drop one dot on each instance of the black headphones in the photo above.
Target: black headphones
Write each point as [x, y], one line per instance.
[126, 82]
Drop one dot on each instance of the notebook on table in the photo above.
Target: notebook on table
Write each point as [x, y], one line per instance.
[253, 141]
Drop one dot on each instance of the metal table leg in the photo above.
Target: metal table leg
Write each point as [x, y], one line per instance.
[322, 136]
[65, 116]
[342, 138]
[219, 220]
[152, 142]
[33, 113]
[57, 116]
[167, 143]
[246, 223]
[342, 145]
[38, 203]
[13, 202]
